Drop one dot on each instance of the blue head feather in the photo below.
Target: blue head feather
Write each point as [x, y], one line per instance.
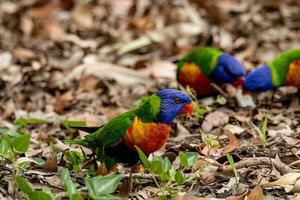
[259, 79]
[170, 107]
[228, 69]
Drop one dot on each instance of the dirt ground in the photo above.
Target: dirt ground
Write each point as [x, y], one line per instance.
[91, 60]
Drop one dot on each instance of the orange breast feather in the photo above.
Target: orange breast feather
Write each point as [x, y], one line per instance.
[293, 76]
[149, 137]
[191, 75]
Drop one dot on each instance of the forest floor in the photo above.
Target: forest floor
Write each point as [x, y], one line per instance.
[64, 60]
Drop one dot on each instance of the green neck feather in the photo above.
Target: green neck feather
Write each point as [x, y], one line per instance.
[280, 65]
[149, 108]
[205, 57]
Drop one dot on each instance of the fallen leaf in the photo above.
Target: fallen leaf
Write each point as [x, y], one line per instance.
[287, 181]
[83, 15]
[51, 164]
[234, 129]
[23, 54]
[214, 119]
[104, 70]
[63, 101]
[233, 144]
[88, 83]
[244, 100]
[102, 170]
[6, 60]
[256, 193]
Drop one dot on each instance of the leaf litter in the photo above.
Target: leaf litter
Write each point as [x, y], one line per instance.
[88, 61]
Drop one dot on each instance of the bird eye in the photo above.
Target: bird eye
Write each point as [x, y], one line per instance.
[177, 100]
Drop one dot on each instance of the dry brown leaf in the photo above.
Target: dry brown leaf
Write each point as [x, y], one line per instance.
[23, 54]
[233, 144]
[214, 119]
[8, 109]
[88, 83]
[63, 101]
[287, 181]
[138, 169]
[125, 188]
[102, 170]
[105, 70]
[51, 164]
[256, 193]
[83, 15]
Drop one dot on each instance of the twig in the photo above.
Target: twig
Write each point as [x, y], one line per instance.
[279, 166]
[216, 87]
[138, 175]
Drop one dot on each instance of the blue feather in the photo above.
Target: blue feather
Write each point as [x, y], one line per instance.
[228, 69]
[170, 107]
[259, 79]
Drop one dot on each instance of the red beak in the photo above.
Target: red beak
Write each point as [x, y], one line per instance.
[239, 82]
[187, 109]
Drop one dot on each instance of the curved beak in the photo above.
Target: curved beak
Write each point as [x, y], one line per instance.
[239, 82]
[187, 109]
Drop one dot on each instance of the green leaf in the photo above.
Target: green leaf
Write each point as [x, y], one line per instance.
[40, 195]
[25, 121]
[76, 196]
[69, 185]
[21, 143]
[5, 149]
[166, 164]
[24, 185]
[188, 159]
[156, 166]
[232, 165]
[179, 178]
[107, 197]
[102, 185]
[143, 157]
[264, 130]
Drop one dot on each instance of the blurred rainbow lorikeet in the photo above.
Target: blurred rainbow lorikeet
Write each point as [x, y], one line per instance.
[283, 70]
[203, 65]
[147, 127]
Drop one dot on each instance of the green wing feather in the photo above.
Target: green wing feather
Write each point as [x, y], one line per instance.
[115, 130]
[280, 65]
[205, 57]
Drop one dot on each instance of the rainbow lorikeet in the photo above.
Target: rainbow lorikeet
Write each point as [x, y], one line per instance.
[203, 65]
[283, 70]
[147, 127]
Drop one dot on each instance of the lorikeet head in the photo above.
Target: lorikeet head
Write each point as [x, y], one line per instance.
[259, 79]
[228, 69]
[172, 103]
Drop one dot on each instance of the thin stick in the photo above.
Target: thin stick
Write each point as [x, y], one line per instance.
[279, 166]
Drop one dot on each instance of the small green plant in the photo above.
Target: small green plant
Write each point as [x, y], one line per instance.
[70, 187]
[13, 143]
[210, 140]
[233, 167]
[31, 193]
[263, 132]
[163, 169]
[75, 159]
[198, 112]
[103, 187]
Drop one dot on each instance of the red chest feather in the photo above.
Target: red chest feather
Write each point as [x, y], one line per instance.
[191, 75]
[149, 137]
[293, 76]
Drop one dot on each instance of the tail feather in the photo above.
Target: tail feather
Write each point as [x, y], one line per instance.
[78, 142]
[88, 129]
